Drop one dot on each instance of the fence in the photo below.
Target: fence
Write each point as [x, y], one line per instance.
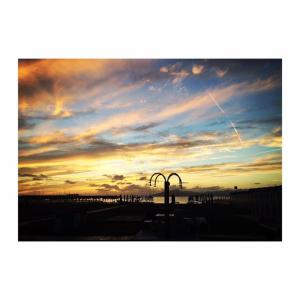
[264, 203]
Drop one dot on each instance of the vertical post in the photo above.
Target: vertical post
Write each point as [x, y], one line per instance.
[167, 192]
[167, 219]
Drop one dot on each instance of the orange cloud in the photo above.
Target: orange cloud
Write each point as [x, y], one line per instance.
[55, 137]
[197, 69]
[45, 81]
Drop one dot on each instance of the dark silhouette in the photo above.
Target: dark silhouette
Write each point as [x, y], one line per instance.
[167, 197]
[166, 184]
[236, 215]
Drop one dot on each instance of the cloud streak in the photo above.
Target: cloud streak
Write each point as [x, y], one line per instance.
[80, 119]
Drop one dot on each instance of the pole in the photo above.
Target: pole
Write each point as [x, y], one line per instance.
[167, 193]
[167, 217]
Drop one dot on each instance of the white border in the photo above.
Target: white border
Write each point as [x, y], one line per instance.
[149, 29]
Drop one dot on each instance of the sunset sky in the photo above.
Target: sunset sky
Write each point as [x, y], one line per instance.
[104, 126]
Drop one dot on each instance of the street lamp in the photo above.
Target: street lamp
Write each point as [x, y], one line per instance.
[166, 184]
[166, 193]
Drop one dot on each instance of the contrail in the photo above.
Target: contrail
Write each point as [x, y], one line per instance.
[267, 151]
[224, 113]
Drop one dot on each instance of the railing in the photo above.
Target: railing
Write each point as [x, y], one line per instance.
[86, 198]
[260, 203]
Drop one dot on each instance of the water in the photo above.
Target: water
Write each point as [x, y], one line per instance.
[178, 199]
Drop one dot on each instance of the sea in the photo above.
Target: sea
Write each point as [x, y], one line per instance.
[178, 199]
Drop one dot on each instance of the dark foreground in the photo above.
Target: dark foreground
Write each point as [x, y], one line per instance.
[220, 221]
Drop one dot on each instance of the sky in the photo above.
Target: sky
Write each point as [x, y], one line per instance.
[94, 126]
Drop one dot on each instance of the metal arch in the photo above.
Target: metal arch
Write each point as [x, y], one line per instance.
[180, 181]
[156, 177]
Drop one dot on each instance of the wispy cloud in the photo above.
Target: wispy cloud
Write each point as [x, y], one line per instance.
[80, 119]
[221, 72]
[202, 100]
[70, 182]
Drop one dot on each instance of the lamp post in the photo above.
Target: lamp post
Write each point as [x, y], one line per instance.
[166, 194]
[166, 184]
